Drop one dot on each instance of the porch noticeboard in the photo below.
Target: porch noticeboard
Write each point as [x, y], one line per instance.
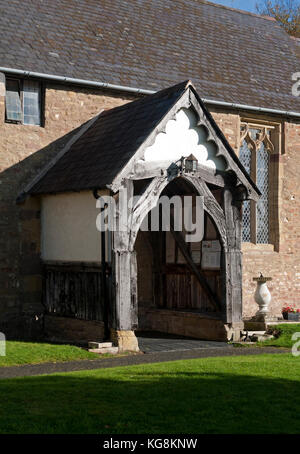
[211, 254]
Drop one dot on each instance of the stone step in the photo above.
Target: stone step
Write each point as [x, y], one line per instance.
[259, 333]
[261, 337]
[111, 350]
[255, 336]
[100, 344]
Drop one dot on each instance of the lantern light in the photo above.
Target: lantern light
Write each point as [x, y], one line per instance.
[191, 163]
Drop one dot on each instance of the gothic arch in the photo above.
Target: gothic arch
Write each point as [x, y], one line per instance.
[151, 196]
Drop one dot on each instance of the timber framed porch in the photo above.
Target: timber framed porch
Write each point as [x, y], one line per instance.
[164, 145]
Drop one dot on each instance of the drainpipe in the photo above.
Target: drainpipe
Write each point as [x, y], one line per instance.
[142, 91]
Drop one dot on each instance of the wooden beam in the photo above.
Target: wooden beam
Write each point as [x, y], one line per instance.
[144, 169]
[210, 175]
[211, 206]
[195, 270]
[85, 267]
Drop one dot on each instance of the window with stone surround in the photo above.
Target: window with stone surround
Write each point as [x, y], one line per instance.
[23, 101]
[259, 154]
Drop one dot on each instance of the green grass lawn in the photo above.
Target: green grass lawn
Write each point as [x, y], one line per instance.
[245, 394]
[18, 353]
[285, 332]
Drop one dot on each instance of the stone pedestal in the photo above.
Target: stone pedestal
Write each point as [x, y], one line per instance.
[126, 341]
[262, 297]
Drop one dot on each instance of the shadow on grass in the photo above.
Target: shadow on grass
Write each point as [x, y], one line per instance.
[149, 401]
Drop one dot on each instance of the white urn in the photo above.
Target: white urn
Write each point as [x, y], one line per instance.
[262, 295]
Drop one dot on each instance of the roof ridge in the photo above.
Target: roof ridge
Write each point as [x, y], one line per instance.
[237, 10]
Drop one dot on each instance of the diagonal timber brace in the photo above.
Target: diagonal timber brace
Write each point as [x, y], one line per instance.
[194, 269]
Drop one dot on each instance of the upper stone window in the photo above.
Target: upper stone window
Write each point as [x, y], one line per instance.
[23, 102]
[256, 148]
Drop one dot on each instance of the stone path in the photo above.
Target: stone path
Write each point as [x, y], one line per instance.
[51, 368]
[150, 342]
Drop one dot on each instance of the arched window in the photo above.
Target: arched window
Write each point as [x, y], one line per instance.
[255, 150]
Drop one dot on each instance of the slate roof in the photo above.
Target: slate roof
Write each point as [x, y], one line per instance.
[230, 55]
[103, 150]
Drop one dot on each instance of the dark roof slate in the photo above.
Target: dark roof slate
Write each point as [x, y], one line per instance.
[230, 55]
[103, 150]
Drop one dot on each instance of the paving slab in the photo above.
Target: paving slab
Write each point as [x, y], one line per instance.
[150, 342]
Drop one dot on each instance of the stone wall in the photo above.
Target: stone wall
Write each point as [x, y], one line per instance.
[24, 150]
[282, 265]
[280, 260]
[196, 325]
[66, 329]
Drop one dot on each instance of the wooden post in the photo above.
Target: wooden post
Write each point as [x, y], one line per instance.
[125, 275]
[125, 301]
[232, 262]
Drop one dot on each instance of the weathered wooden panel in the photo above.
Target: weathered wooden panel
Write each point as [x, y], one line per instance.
[183, 290]
[73, 292]
[178, 291]
[199, 299]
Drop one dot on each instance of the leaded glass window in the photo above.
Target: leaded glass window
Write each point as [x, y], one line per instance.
[262, 206]
[23, 101]
[13, 106]
[245, 158]
[31, 103]
[255, 151]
